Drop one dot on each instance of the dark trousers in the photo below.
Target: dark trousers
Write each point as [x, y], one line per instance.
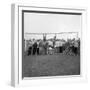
[75, 50]
[37, 51]
[60, 49]
[30, 51]
[34, 51]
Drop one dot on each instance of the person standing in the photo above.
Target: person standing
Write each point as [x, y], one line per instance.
[34, 48]
[30, 48]
[37, 47]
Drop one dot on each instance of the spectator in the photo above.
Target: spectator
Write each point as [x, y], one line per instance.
[34, 48]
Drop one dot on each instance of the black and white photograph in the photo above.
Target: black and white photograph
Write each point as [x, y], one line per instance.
[51, 43]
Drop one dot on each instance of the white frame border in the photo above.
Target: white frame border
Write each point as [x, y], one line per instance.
[16, 57]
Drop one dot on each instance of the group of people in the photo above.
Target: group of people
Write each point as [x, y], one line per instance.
[39, 47]
[72, 47]
[33, 49]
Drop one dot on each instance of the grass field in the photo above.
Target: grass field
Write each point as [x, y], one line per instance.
[50, 65]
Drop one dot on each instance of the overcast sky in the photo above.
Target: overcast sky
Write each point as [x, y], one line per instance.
[51, 23]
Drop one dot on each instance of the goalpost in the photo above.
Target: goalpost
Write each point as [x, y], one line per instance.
[62, 35]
